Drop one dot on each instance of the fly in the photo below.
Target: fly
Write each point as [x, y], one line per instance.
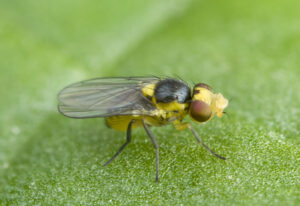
[130, 102]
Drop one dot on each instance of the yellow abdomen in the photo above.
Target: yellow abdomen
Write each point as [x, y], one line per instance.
[120, 123]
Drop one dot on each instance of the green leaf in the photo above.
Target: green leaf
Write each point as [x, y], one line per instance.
[247, 50]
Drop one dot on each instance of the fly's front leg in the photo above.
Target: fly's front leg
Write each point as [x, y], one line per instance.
[204, 145]
[156, 146]
[128, 139]
[181, 126]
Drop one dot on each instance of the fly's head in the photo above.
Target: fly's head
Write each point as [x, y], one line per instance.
[205, 103]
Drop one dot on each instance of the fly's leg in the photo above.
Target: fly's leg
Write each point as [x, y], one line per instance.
[181, 126]
[128, 139]
[155, 144]
[204, 145]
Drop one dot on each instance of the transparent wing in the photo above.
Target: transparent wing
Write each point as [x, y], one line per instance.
[104, 97]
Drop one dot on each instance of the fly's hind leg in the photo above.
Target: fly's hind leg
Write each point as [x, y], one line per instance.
[156, 146]
[128, 139]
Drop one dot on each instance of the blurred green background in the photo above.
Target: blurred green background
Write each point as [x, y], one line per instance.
[248, 50]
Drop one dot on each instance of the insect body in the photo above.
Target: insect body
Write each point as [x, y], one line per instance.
[130, 102]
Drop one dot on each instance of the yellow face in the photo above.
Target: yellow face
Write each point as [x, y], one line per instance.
[205, 103]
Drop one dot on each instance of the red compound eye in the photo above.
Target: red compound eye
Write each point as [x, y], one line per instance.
[200, 111]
